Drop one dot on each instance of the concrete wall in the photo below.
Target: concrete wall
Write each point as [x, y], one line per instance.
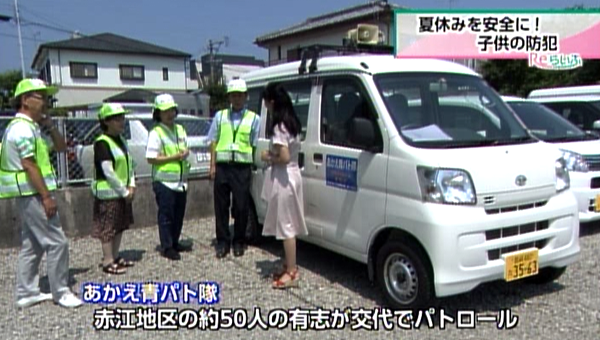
[75, 206]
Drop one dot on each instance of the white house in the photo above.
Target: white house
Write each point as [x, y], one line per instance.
[330, 29]
[91, 68]
[326, 29]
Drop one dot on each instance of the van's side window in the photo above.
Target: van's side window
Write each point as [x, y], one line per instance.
[299, 92]
[343, 100]
[254, 101]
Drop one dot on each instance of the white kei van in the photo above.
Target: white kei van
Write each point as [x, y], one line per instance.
[581, 151]
[418, 169]
[579, 104]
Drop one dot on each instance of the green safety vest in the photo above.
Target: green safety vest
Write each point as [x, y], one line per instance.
[234, 145]
[123, 166]
[14, 182]
[173, 142]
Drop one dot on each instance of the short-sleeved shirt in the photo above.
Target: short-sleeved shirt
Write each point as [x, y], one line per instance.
[154, 149]
[20, 142]
[236, 117]
[102, 153]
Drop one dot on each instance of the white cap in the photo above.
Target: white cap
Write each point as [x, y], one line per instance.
[236, 85]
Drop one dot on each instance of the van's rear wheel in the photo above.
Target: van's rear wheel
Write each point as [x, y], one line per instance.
[546, 275]
[403, 276]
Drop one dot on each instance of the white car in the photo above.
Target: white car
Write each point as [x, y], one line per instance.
[579, 104]
[581, 150]
[418, 169]
[136, 133]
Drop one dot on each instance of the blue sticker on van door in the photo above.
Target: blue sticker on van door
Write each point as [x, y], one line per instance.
[341, 172]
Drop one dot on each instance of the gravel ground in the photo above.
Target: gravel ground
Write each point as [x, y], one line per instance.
[568, 308]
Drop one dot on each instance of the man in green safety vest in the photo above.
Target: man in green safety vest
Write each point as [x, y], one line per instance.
[234, 133]
[27, 175]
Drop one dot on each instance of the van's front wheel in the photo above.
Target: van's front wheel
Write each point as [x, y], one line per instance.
[403, 276]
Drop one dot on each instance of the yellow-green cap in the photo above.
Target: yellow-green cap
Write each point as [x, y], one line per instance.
[164, 102]
[237, 85]
[33, 84]
[111, 109]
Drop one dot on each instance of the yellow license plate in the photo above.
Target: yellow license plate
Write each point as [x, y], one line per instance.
[597, 205]
[521, 264]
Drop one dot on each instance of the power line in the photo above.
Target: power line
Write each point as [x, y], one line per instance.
[16, 37]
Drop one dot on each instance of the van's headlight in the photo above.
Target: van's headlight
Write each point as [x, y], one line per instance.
[563, 181]
[446, 186]
[574, 161]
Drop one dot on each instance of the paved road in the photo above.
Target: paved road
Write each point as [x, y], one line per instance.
[569, 308]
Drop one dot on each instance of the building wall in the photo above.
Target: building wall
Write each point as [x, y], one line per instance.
[329, 36]
[109, 73]
[233, 71]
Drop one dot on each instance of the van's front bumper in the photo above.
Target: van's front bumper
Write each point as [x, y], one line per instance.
[466, 244]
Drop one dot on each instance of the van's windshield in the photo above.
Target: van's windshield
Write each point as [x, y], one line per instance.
[439, 110]
[546, 124]
[596, 104]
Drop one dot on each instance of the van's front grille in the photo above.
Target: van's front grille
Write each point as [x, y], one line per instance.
[495, 254]
[593, 162]
[515, 208]
[516, 230]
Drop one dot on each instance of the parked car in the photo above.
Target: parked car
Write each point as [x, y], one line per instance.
[581, 151]
[418, 169]
[136, 133]
[579, 104]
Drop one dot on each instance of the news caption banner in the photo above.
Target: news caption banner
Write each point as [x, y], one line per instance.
[198, 312]
[548, 39]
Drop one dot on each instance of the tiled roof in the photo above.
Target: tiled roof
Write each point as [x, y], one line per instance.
[348, 14]
[108, 42]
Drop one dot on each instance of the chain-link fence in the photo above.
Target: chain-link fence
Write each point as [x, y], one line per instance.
[76, 166]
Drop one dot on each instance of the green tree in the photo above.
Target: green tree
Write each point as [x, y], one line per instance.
[8, 82]
[515, 77]
[218, 97]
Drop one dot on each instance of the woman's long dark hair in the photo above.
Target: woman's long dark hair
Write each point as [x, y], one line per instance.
[283, 110]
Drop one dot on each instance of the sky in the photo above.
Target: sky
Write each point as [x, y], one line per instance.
[188, 25]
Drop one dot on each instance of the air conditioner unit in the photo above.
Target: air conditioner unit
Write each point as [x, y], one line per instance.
[367, 34]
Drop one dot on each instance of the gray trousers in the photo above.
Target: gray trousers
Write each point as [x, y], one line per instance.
[41, 235]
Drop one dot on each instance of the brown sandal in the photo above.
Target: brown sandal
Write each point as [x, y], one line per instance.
[123, 263]
[293, 282]
[113, 268]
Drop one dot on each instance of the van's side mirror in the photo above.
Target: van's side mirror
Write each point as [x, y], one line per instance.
[596, 125]
[362, 134]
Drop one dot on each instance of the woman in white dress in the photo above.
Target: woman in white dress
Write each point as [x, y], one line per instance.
[282, 188]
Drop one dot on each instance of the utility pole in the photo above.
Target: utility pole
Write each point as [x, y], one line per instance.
[20, 38]
[213, 48]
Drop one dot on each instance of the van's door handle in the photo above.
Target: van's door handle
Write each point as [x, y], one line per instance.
[318, 158]
[301, 160]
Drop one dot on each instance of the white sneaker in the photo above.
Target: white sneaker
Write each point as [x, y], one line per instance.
[32, 300]
[69, 300]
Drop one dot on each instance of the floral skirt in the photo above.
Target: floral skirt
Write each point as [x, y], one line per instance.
[111, 217]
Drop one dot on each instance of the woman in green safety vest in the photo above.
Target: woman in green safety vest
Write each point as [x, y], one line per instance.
[167, 151]
[113, 187]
